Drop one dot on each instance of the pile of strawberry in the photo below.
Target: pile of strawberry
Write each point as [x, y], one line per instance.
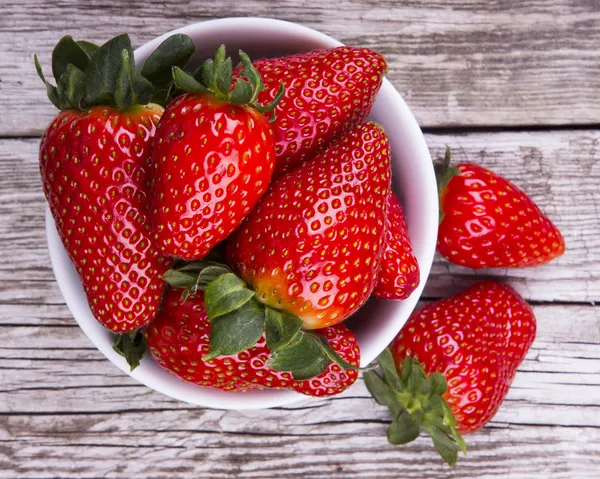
[229, 218]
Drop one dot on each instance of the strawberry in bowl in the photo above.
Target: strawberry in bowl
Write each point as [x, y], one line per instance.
[294, 315]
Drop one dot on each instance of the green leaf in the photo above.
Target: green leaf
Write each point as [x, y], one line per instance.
[271, 106]
[220, 55]
[132, 346]
[303, 357]
[196, 275]
[68, 52]
[226, 294]
[236, 331]
[403, 430]
[417, 382]
[444, 445]
[459, 440]
[51, 90]
[224, 72]
[280, 328]
[72, 87]
[207, 72]
[180, 279]
[382, 393]
[406, 370]
[438, 384]
[174, 51]
[331, 353]
[449, 418]
[123, 94]
[88, 47]
[435, 409]
[444, 173]
[104, 69]
[242, 93]
[252, 74]
[388, 369]
[186, 82]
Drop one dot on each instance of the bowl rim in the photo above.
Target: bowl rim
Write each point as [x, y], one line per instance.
[207, 397]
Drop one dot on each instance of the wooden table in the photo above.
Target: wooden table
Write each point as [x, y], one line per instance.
[512, 85]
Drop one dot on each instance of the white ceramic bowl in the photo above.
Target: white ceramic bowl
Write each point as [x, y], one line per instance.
[375, 324]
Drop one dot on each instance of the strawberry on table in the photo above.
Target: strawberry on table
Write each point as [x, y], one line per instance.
[213, 158]
[180, 337]
[94, 162]
[456, 359]
[399, 273]
[327, 92]
[487, 222]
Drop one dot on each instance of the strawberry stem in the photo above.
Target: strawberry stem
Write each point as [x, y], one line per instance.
[215, 76]
[87, 75]
[444, 173]
[132, 346]
[416, 403]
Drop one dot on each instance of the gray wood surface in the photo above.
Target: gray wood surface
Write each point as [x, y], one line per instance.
[473, 62]
[65, 411]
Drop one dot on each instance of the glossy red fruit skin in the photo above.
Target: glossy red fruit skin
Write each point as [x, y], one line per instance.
[477, 339]
[180, 336]
[313, 244]
[399, 274]
[327, 92]
[212, 161]
[95, 173]
[490, 223]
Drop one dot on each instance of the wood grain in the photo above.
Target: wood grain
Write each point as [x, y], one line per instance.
[560, 170]
[59, 393]
[473, 62]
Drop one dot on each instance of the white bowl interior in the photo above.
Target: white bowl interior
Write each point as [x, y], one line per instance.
[413, 179]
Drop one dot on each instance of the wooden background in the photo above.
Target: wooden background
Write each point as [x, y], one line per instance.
[512, 85]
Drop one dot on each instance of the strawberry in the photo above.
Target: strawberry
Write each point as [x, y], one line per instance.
[94, 162]
[327, 92]
[179, 337]
[399, 274]
[471, 345]
[213, 158]
[313, 245]
[487, 222]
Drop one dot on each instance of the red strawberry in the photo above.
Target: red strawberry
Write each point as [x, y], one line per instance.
[327, 92]
[490, 223]
[94, 161]
[399, 273]
[313, 245]
[213, 159]
[179, 338]
[94, 168]
[473, 342]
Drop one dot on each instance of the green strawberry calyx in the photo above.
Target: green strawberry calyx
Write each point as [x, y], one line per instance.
[132, 346]
[239, 321]
[416, 403]
[215, 77]
[444, 173]
[89, 75]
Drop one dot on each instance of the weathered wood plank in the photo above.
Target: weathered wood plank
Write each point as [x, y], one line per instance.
[58, 393]
[190, 444]
[560, 170]
[56, 370]
[470, 63]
